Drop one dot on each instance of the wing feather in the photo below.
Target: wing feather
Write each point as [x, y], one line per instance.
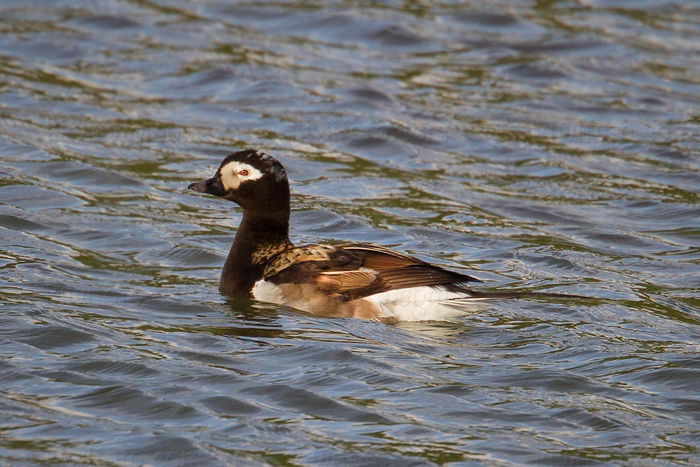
[354, 271]
[345, 281]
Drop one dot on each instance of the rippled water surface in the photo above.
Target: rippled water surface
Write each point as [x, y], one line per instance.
[537, 145]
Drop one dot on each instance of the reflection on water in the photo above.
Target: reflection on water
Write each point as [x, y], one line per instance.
[547, 146]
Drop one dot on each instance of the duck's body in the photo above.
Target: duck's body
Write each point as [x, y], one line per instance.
[349, 280]
[361, 281]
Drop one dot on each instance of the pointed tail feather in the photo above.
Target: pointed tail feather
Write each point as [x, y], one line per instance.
[499, 295]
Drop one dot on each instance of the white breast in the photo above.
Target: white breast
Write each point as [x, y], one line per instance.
[268, 292]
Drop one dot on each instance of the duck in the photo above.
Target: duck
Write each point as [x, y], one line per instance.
[345, 280]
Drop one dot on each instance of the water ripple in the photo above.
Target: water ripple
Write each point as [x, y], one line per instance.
[545, 146]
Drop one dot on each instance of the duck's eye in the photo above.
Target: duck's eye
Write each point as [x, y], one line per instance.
[243, 173]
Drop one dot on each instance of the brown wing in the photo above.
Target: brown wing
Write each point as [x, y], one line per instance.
[355, 271]
[343, 282]
[400, 271]
[301, 262]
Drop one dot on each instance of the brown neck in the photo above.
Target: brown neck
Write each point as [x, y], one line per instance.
[258, 238]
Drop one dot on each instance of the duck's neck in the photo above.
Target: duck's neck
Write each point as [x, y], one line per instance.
[258, 239]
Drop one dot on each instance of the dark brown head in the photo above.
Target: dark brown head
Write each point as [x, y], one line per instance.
[255, 181]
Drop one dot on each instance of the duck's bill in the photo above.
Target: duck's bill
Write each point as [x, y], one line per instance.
[211, 186]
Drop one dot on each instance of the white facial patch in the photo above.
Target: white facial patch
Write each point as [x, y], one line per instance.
[234, 173]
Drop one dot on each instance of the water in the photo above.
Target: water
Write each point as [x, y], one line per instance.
[536, 145]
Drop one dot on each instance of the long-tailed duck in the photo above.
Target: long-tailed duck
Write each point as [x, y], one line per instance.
[346, 280]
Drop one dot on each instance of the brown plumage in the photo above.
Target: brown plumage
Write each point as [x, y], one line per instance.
[354, 271]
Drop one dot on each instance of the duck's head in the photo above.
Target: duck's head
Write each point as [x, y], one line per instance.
[254, 180]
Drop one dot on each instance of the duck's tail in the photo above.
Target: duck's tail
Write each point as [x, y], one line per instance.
[504, 295]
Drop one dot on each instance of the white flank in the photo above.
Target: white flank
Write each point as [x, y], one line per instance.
[425, 303]
[234, 173]
[413, 304]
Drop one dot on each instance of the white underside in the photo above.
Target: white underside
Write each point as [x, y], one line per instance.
[412, 304]
[424, 303]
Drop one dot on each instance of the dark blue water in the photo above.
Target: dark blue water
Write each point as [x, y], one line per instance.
[548, 146]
